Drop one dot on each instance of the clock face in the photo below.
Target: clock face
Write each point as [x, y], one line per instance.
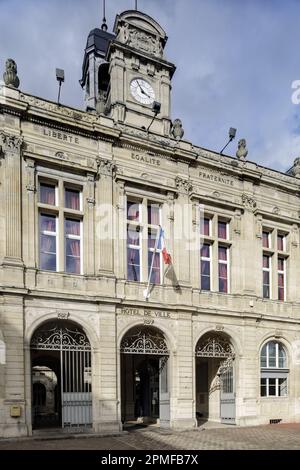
[142, 91]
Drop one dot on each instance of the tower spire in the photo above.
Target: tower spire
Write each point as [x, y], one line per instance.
[104, 25]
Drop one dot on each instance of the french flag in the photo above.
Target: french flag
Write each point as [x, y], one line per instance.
[166, 256]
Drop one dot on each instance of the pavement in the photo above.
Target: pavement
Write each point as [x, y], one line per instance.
[271, 437]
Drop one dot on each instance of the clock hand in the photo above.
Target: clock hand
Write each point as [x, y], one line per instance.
[142, 90]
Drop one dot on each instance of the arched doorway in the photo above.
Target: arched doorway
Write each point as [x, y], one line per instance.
[61, 363]
[144, 377]
[215, 378]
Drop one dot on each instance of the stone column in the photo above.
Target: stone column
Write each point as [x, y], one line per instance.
[104, 219]
[108, 412]
[29, 223]
[183, 412]
[11, 148]
[89, 225]
[182, 231]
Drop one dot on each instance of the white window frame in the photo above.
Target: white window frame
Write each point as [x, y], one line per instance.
[227, 264]
[284, 277]
[134, 223]
[150, 228]
[274, 372]
[51, 234]
[204, 258]
[269, 270]
[73, 237]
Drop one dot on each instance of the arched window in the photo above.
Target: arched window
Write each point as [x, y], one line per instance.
[274, 371]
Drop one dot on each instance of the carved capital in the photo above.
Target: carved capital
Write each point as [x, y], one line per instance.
[106, 167]
[183, 185]
[10, 143]
[249, 202]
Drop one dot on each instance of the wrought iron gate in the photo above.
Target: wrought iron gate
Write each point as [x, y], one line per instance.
[152, 343]
[227, 393]
[75, 371]
[217, 346]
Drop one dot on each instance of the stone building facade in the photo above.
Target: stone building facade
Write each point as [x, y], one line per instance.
[84, 196]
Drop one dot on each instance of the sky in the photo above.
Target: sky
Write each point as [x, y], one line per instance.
[236, 62]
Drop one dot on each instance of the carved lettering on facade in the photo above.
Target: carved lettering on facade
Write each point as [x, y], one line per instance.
[63, 315]
[145, 159]
[145, 313]
[62, 136]
[216, 178]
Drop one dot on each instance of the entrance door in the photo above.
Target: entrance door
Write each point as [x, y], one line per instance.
[227, 394]
[144, 371]
[164, 394]
[64, 348]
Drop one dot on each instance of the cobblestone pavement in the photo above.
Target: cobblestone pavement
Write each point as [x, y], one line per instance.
[272, 437]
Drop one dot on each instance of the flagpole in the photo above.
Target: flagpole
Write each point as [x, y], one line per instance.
[146, 291]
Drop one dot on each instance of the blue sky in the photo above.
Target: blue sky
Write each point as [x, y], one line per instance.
[236, 61]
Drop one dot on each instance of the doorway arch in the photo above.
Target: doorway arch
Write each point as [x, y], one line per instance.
[61, 360]
[145, 377]
[215, 378]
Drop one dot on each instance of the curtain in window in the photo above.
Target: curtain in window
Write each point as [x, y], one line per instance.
[48, 223]
[72, 227]
[72, 199]
[153, 214]
[47, 194]
[222, 232]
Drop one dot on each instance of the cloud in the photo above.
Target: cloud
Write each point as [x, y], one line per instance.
[235, 62]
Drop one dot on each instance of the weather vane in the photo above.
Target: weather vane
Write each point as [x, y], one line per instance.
[104, 25]
[136, 4]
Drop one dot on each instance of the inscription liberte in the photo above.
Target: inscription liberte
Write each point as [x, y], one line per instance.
[146, 159]
[61, 136]
[145, 313]
[216, 178]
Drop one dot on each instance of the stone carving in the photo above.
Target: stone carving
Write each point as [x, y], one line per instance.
[295, 236]
[10, 76]
[177, 130]
[258, 227]
[237, 221]
[295, 171]
[10, 143]
[140, 40]
[276, 210]
[248, 202]
[242, 151]
[53, 107]
[106, 167]
[101, 102]
[183, 185]
[30, 170]
[62, 155]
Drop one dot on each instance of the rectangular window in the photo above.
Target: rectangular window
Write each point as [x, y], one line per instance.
[222, 230]
[281, 279]
[154, 260]
[73, 246]
[205, 226]
[266, 276]
[273, 387]
[48, 194]
[223, 269]
[72, 199]
[133, 253]
[205, 266]
[266, 239]
[133, 241]
[48, 242]
[280, 242]
[153, 214]
[133, 211]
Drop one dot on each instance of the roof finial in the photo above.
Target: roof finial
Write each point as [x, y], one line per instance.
[136, 4]
[104, 25]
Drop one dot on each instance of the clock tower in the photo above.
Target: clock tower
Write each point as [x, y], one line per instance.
[137, 76]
